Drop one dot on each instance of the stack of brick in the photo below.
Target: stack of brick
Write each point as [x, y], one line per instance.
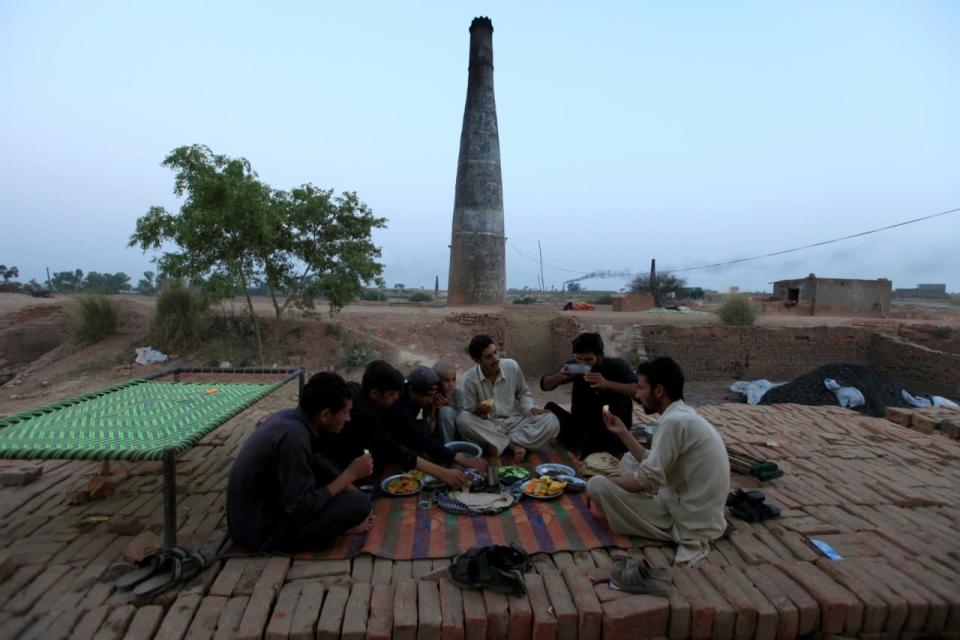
[633, 302]
[930, 420]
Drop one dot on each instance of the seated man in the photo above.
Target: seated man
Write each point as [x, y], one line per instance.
[414, 424]
[449, 400]
[498, 411]
[678, 490]
[284, 493]
[375, 425]
[610, 382]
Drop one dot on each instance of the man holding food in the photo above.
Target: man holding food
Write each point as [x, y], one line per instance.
[597, 381]
[499, 413]
[677, 491]
[284, 493]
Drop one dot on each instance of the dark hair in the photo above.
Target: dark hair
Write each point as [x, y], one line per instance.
[478, 344]
[588, 343]
[324, 390]
[381, 376]
[663, 371]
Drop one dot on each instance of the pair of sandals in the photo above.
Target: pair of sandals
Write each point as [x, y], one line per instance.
[638, 576]
[162, 570]
[494, 567]
[751, 506]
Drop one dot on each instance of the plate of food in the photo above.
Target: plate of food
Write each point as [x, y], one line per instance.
[554, 469]
[543, 487]
[513, 471]
[427, 480]
[402, 484]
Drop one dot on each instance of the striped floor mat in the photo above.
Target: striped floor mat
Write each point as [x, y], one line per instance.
[404, 532]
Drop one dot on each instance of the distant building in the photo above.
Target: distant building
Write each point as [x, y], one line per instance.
[813, 296]
[928, 291]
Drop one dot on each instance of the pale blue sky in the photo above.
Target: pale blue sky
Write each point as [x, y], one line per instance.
[691, 132]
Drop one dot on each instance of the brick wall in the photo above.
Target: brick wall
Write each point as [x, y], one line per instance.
[935, 372]
[726, 353]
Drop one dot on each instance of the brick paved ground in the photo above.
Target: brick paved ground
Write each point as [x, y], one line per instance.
[883, 496]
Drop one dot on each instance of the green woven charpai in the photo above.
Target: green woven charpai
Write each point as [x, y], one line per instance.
[129, 422]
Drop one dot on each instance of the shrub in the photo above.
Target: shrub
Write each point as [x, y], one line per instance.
[359, 353]
[738, 310]
[333, 329]
[941, 333]
[605, 298]
[181, 319]
[524, 300]
[92, 318]
[420, 296]
[372, 295]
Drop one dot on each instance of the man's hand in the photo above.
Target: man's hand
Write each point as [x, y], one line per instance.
[596, 380]
[484, 408]
[478, 464]
[614, 425]
[629, 483]
[441, 400]
[454, 478]
[360, 467]
[564, 374]
[536, 411]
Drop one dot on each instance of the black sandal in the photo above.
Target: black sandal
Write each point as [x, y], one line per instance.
[496, 568]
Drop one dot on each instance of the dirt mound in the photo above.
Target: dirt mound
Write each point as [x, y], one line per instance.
[878, 389]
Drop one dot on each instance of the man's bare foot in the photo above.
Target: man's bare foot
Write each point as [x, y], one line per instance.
[519, 453]
[363, 527]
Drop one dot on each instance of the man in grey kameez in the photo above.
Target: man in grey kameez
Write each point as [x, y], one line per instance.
[498, 408]
[677, 491]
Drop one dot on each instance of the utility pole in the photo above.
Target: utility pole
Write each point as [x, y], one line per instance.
[654, 289]
[542, 283]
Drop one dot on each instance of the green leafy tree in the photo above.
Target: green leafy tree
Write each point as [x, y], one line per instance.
[147, 286]
[236, 234]
[67, 280]
[106, 283]
[665, 285]
[8, 274]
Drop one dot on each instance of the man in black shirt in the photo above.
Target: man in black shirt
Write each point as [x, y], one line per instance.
[608, 382]
[376, 425]
[285, 493]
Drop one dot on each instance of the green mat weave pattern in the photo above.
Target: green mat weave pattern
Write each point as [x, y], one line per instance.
[136, 420]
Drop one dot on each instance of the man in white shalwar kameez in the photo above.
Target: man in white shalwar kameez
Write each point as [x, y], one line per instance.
[498, 408]
[677, 491]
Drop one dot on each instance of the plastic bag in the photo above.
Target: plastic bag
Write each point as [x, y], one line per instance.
[940, 401]
[753, 390]
[914, 401]
[849, 397]
[149, 355]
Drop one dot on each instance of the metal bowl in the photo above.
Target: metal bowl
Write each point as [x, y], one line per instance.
[573, 483]
[389, 479]
[578, 369]
[466, 448]
[554, 469]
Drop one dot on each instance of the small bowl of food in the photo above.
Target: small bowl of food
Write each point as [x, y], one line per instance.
[577, 369]
[402, 484]
[468, 449]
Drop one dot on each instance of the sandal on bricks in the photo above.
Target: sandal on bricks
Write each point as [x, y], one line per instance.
[176, 567]
[646, 569]
[633, 578]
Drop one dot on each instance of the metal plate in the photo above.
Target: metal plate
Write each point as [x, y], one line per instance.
[573, 483]
[464, 447]
[389, 479]
[555, 469]
[530, 495]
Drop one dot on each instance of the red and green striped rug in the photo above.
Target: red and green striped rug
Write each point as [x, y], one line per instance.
[404, 532]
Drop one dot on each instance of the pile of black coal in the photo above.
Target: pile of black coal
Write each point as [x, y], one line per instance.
[878, 389]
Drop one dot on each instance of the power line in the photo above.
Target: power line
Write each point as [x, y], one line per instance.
[765, 255]
[816, 244]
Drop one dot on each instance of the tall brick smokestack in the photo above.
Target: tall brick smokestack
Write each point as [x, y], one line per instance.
[477, 250]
